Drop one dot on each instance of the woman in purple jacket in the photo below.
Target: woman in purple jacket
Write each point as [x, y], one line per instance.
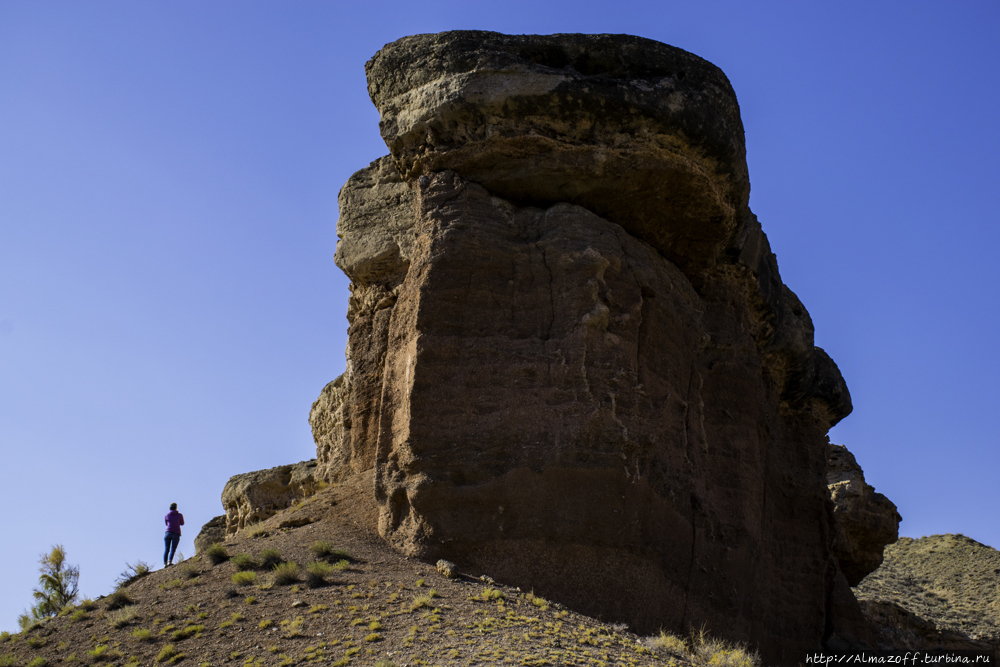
[174, 521]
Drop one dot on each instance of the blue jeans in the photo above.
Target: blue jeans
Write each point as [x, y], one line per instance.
[170, 542]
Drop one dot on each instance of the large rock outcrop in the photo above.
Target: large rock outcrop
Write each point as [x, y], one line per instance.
[571, 358]
[252, 497]
[864, 521]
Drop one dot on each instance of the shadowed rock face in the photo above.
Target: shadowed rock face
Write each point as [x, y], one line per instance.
[571, 359]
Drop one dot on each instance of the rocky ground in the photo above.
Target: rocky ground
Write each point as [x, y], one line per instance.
[383, 609]
[950, 580]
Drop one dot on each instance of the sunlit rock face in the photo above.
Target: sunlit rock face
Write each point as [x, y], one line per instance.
[571, 359]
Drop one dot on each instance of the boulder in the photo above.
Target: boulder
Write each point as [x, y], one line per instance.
[864, 521]
[572, 362]
[255, 496]
[212, 532]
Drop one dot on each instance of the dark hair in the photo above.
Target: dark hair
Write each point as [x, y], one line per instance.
[173, 506]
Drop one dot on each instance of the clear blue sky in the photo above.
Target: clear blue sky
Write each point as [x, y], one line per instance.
[169, 306]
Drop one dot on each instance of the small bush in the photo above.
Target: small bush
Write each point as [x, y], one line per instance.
[79, 615]
[4, 636]
[244, 578]
[269, 558]
[87, 604]
[117, 600]
[8, 660]
[250, 600]
[373, 637]
[166, 653]
[669, 643]
[263, 625]
[317, 572]
[243, 562]
[132, 572]
[286, 573]
[216, 554]
[189, 631]
[293, 628]
[327, 551]
[99, 653]
[122, 617]
[256, 530]
[143, 635]
[38, 662]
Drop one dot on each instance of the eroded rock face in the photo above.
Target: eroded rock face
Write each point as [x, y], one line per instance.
[865, 521]
[212, 532]
[571, 359]
[255, 496]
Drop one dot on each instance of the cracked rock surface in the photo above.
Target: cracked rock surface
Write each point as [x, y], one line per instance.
[572, 363]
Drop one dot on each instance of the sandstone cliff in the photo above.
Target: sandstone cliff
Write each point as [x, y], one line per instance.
[572, 362]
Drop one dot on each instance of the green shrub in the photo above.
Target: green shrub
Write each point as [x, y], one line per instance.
[87, 604]
[117, 600]
[255, 530]
[269, 558]
[343, 564]
[373, 637]
[38, 662]
[189, 631]
[216, 554]
[317, 572]
[327, 551]
[142, 634]
[99, 653]
[79, 615]
[669, 643]
[244, 578]
[4, 636]
[8, 660]
[243, 562]
[166, 653]
[266, 623]
[286, 573]
[189, 571]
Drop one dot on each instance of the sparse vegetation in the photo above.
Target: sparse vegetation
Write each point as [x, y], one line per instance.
[117, 600]
[256, 530]
[244, 578]
[286, 573]
[168, 652]
[269, 558]
[327, 551]
[119, 618]
[142, 634]
[317, 572]
[132, 572]
[216, 554]
[188, 571]
[243, 562]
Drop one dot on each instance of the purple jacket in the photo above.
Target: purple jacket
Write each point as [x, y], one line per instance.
[174, 521]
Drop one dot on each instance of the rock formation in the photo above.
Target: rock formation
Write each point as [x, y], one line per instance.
[212, 532]
[572, 362]
[254, 496]
[864, 521]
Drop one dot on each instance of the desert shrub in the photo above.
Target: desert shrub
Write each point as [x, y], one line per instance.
[385, 662]
[293, 628]
[269, 558]
[189, 571]
[720, 653]
[142, 634]
[243, 562]
[216, 554]
[189, 631]
[132, 572]
[79, 615]
[286, 573]
[244, 578]
[166, 653]
[250, 600]
[317, 572]
[87, 604]
[99, 653]
[58, 587]
[4, 636]
[373, 637]
[263, 625]
[38, 662]
[668, 643]
[255, 530]
[122, 617]
[117, 600]
[8, 660]
[327, 551]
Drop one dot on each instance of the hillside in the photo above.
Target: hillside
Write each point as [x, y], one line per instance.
[951, 580]
[382, 609]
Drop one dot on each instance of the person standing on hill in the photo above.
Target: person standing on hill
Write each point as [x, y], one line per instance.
[172, 538]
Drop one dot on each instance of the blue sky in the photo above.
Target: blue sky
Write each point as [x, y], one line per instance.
[169, 306]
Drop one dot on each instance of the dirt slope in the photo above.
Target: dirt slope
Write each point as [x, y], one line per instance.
[383, 609]
[951, 580]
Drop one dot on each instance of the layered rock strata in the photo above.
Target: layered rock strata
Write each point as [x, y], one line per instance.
[864, 521]
[255, 496]
[571, 359]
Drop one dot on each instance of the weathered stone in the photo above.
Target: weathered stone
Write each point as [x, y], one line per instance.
[582, 383]
[256, 496]
[644, 134]
[446, 568]
[864, 521]
[212, 532]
